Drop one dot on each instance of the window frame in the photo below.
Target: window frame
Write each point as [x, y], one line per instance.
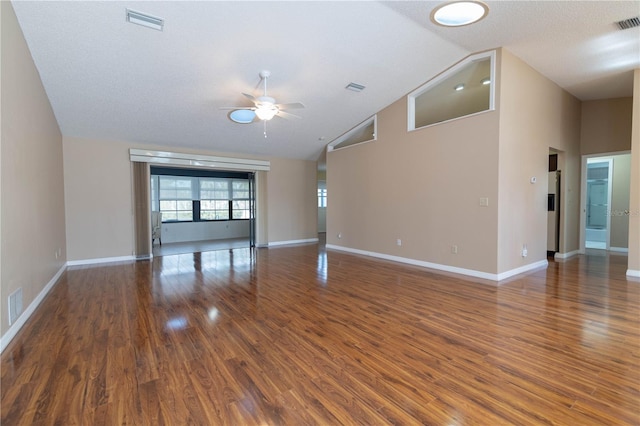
[411, 97]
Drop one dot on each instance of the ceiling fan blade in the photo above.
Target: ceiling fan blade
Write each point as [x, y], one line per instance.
[236, 107]
[292, 105]
[286, 115]
[251, 97]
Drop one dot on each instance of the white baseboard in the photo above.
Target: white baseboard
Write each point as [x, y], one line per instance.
[541, 264]
[101, 260]
[286, 243]
[619, 249]
[26, 314]
[633, 273]
[445, 268]
[567, 254]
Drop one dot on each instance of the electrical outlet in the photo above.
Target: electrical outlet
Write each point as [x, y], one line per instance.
[484, 201]
[454, 249]
[339, 234]
[398, 242]
[524, 250]
[15, 305]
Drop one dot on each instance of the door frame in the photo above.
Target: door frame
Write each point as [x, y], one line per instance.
[606, 156]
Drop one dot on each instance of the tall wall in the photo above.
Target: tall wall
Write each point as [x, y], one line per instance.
[535, 115]
[606, 126]
[634, 192]
[32, 212]
[292, 200]
[422, 187]
[99, 198]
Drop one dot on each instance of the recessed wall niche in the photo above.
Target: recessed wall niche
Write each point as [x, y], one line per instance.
[465, 89]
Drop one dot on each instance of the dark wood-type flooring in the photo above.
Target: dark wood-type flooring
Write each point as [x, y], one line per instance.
[297, 336]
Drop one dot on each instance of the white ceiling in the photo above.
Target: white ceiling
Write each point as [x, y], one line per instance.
[110, 79]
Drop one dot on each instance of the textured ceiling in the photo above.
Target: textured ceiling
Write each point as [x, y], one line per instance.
[109, 79]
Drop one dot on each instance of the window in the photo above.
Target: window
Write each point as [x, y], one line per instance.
[175, 196]
[322, 197]
[363, 132]
[466, 88]
[240, 199]
[197, 198]
[214, 199]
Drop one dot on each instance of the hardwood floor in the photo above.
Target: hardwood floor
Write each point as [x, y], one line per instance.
[292, 335]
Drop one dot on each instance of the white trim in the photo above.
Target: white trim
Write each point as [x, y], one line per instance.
[633, 273]
[541, 264]
[619, 249]
[285, 243]
[26, 314]
[445, 268]
[101, 260]
[567, 254]
[194, 160]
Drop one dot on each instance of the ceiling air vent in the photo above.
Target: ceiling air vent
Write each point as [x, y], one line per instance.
[145, 20]
[629, 23]
[355, 87]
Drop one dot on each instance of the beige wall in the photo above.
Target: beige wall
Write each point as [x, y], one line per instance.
[422, 187]
[535, 115]
[98, 199]
[33, 223]
[292, 200]
[98, 189]
[621, 180]
[606, 126]
[634, 197]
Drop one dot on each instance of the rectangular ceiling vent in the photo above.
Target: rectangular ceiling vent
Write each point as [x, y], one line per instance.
[355, 87]
[629, 23]
[145, 20]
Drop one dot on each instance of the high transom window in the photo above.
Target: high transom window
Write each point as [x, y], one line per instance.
[465, 89]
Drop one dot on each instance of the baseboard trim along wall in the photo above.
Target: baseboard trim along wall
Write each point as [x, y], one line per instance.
[619, 249]
[633, 273]
[26, 314]
[286, 243]
[446, 268]
[567, 254]
[101, 260]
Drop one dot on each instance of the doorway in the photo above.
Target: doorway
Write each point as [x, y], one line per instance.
[604, 201]
[598, 200]
[553, 206]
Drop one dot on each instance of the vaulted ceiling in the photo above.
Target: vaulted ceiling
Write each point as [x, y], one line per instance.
[109, 79]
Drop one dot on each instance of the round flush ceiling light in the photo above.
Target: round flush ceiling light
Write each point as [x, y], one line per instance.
[242, 116]
[459, 13]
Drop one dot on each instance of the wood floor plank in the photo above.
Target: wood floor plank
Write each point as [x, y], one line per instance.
[298, 335]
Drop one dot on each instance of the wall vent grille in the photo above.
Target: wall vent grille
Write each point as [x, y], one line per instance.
[629, 23]
[15, 305]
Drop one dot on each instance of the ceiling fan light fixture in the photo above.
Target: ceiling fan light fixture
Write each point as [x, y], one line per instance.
[459, 13]
[266, 112]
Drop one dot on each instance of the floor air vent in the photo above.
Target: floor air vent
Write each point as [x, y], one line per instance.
[629, 23]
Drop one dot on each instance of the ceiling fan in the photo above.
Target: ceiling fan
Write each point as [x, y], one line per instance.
[264, 107]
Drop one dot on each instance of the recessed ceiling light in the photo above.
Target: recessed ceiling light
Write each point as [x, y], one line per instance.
[242, 116]
[459, 87]
[485, 81]
[459, 13]
[145, 20]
